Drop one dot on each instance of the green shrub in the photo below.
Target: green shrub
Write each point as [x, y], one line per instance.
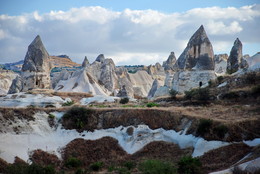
[201, 94]
[173, 93]
[220, 130]
[73, 162]
[156, 167]
[122, 170]
[220, 79]
[51, 116]
[149, 105]
[255, 91]
[189, 165]
[129, 165]
[68, 103]
[78, 115]
[204, 126]
[30, 169]
[96, 166]
[210, 83]
[124, 100]
[231, 95]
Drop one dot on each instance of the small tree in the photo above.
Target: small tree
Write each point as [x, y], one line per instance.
[124, 100]
[173, 93]
[189, 165]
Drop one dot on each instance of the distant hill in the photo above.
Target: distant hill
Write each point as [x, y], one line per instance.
[56, 61]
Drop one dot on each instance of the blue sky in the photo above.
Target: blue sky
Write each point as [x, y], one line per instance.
[17, 7]
[129, 31]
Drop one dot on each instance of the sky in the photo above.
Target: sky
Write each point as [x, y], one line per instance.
[128, 31]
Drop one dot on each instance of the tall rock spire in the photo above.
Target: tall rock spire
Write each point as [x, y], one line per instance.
[235, 57]
[37, 57]
[85, 62]
[198, 54]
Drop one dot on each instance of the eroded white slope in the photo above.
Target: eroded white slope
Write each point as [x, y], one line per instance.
[39, 135]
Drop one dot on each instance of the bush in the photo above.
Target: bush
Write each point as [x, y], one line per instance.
[231, 95]
[30, 169]
[156, 167]
[204, 126]
[201, 94]
[51, 116]
[73, 162]
[78, 115]
[251, 78]
[68, 103]
[149, 105]
[220, 79]
[129, 165]
[80, 171]
[124, 100]
[210, 83]
[255, 91]
[173, 93]
[189, 165]
[220, 130]
[96, 166]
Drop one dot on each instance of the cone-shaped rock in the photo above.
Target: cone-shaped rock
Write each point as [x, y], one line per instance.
[168, 65]
[85, 62]
[100, 58]
[235, 57]
[36, 67]
[37, 58]
[154, 88]
[198, 54]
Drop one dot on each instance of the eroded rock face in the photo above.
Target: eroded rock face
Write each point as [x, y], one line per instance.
[36, 67]
[185, 80]
[198, 54]
[154, 88]
[108, 75]
[235, 57]
[220, 63]
[170, 62]
[16, 85]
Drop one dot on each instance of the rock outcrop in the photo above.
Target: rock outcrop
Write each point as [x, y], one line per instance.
[221, 63]
[85, 62]
[235, 57]
[198, 54]
[170, 62]
[6, 80]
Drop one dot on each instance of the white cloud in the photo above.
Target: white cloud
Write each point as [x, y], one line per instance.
[130, 36]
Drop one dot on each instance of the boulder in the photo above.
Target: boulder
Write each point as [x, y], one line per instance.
[123, 92]
[163, 91]
[198, 54]
[235, 57]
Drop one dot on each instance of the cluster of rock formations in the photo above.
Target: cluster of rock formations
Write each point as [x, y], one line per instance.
[194, 68]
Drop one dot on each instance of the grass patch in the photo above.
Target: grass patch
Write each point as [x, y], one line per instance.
[51, 116]
[68, 103]
[156, 167]
[150, 105]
